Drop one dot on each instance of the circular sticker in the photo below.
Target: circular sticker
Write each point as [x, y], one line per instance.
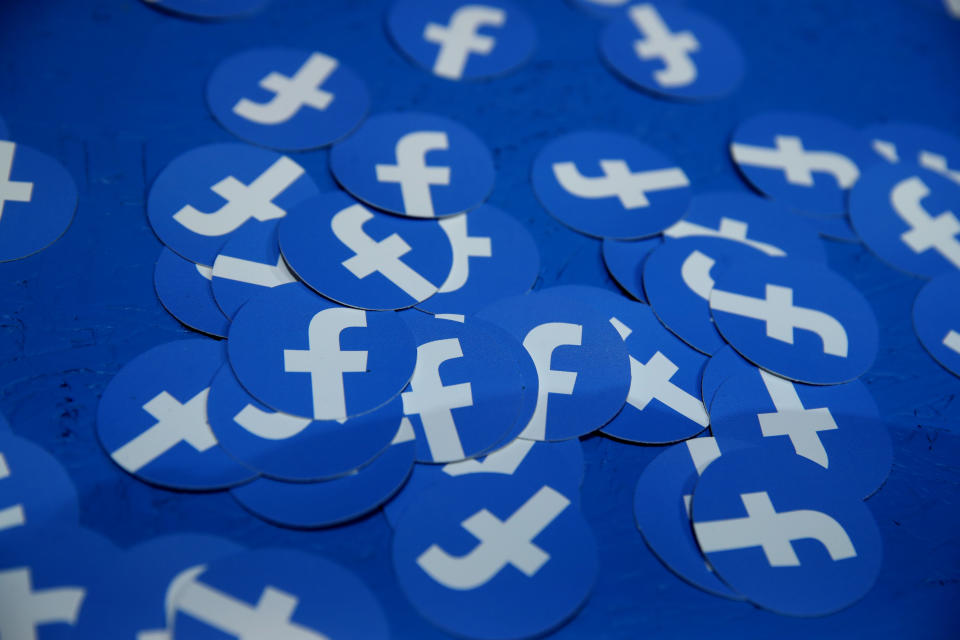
[460, 40]
[363, 258]
[917, 144]
[776, 529]
[288, 447]
[37, 200]
[609, 185]
[35, 490]
[725, 363]
[184, 291]
[808, 162]
[302, 354]
[287, 99]
[414, 164]
[207, 193]
[624, 260]
[672, 51]
[495, 557]
[795, 318]
[936, 319]
[152, 418]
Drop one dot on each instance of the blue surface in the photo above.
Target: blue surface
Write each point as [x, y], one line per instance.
[67, 330]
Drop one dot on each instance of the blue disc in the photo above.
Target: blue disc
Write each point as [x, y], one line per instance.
[415, 164]
[795, 318]
[37, 200]
[209, 9]
[582, 367]
[277, 593]
[808, 162]
[677, 278]
[673, 52]
[559, 464]
[624, 260]
[460, 40]
[288, 447]
[35, 490]
[936, 319]
[364, 258]
[307, 505]
[661, 508]
[494, 256]
[781, 532]
[46, 576]
[762, 224]
[664, 403]
[136, 600]
[287, 99]
[184, 290]
[207, 193]
[248, 264]
[152, 418]
[470, 573]
[302, 354]
[725, 363]
[465, 392]
[909, 217]
[609, 185]
[836, 426]
[917, 144]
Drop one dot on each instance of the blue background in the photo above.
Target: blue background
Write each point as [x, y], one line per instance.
[73, 314]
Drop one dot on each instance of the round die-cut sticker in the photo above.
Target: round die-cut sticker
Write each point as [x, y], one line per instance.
[184, 290]
[808, 162]
[610, 185]
[248, 264]
[672, 51]
[289, 99]
[302, 354]
[365, 258]
[936, 319]
[414, 164]
[797, 319]
[780, 531]
[624, 260]
[722, 365]
[917, 144]
[462, 40]
[35, 489]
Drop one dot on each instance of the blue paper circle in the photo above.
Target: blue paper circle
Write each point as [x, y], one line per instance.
[465, 392]
[825, 554]
[661, 508]
[287, 99]
[201, 197]
[487, 596]
[578, 355]
[559, 464]
[460, 40]
[288, 447]
[137, 598]
[624, 260]
[148, 406]
[494, 256]
[836, 426]
[936, 319]
[917, 144]
[910, 218]
[184, 290]
[248, 264]
[722, 365]
[35, 490]
[364, 258]
[37, 200]
[832, 336]
[308, 505]
[673, 52]
[678, 278]
[209, 9]
[609, 185]
[291, 594]
[825, 157]
[762, 224]
[272, 352]
[450, 169]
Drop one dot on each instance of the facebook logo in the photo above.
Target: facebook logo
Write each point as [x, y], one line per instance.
[917, 144]
[482, 537]
[287, 99]
[412, 174]
[24, 610]
[936, 319]
[672, 51]
[458, 40]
